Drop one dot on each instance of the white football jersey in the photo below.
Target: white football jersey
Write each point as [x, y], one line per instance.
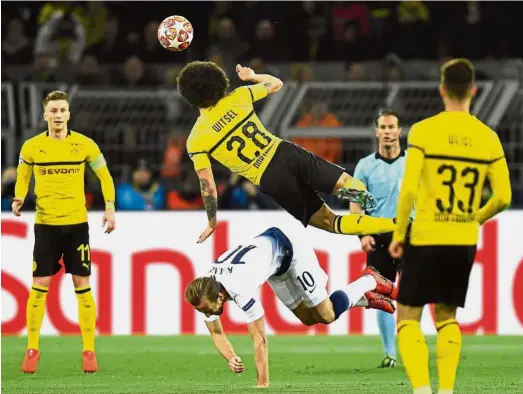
[245, 268]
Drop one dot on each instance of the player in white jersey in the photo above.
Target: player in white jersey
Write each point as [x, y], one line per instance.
[294, 273]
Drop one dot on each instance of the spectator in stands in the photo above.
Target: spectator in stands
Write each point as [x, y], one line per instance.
[266, 45]
[143, 194]
[90, 73]
[43, 68]
[239, 193]
[152, 52]
[134, 74]
[16, 47]
[301, 73]
[63, 28]
[393, 69]
[172, 158]
[228, 45]
[328, 148]
[355, 72]
[110, 49]
[94, 18]
[187, 196]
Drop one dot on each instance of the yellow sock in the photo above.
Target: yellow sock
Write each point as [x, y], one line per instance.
[86, 316]
[35, 311]
[414, 354]
[356, 224]
[354, 183]
[448, 350]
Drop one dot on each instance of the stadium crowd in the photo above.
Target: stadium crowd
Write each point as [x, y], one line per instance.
[115, 43]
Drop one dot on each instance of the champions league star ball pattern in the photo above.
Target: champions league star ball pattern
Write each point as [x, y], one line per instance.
[175, 33]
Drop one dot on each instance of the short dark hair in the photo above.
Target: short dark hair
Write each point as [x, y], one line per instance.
[386, 112]
[457, 77]
[202, 84]
[54, 96]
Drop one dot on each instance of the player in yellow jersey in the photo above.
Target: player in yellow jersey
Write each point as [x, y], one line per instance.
[229, 131]
[57, 158]
[449, 157]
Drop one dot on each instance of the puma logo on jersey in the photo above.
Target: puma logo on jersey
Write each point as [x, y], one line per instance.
[224, 120]
[42, 151]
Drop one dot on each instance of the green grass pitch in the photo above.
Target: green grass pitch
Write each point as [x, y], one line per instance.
[298, 364]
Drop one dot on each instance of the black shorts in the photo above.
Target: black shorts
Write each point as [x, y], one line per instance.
[69, 241]
[293, 178]
[380, 258]
[436, 275]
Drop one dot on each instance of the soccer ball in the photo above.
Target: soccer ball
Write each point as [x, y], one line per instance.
[175, 33]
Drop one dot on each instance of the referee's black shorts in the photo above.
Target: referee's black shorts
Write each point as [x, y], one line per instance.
[380, 258]
[436, 274]
[54, 242]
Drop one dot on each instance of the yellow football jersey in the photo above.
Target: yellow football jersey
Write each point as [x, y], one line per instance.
[231, 133]
[450, 155]
[58, 167]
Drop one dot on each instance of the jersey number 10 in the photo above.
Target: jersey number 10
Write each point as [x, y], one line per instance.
[249, 130]
[473, 176]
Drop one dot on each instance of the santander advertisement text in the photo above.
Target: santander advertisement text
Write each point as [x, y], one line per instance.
[140, 272]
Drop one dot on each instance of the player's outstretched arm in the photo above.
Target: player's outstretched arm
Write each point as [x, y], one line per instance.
[261, 351]
[97, 162]
[210, 199]
[272, 84]
[224, 346]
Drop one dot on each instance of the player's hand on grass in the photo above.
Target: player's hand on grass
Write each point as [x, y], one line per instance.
[396, 249]
[368, 244]
[236, 364]
[109, 220]
[16, 205]
[245, 73]
[207, 232]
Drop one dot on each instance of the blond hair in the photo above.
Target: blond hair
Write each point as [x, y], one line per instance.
[55, 95]
[200, 288]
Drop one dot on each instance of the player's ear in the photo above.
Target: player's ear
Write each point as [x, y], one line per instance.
[400, 131]
[473, 90]
[442, 91]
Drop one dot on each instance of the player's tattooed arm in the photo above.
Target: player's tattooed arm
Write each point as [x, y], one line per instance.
[210, 199]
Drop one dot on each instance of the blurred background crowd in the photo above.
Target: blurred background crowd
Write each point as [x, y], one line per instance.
[100, 44]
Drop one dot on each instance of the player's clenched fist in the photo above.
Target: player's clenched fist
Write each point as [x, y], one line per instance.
[16, 205]
[236, 364]
[244, 73]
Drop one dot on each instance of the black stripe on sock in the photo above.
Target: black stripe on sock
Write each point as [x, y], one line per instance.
[82, 291]
[337, 224]
[40, 290]
[445, 325]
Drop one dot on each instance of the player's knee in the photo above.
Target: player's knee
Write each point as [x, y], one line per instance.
[327, 316]
[444, 312]
[80, 281]
[44, 281]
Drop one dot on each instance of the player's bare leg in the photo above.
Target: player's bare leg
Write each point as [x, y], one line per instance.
[87, 321]
[35, 315]
[413, 348]
[351, 224]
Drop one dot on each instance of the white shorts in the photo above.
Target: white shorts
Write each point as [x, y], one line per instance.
[305, 281]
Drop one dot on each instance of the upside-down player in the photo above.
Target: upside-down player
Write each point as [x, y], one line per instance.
[229, 131]
[294, 273]
[450, 155]
[57, 158]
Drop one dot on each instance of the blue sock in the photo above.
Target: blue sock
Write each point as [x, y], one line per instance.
[387, 326]
[340, 302]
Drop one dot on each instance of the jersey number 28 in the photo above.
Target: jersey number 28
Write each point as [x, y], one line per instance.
[249, 130]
